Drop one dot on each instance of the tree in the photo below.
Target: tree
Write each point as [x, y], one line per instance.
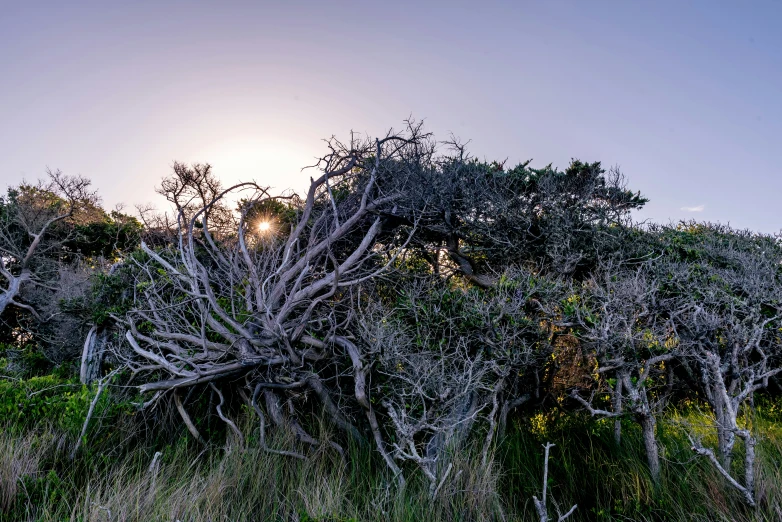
[731, 302]
[33, 232]
[623, 320]
[447, 361]
[475, 218]
[229, 299]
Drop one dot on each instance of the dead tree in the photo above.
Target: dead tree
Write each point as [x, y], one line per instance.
[258, 292]
[32, 234]
[541, 505]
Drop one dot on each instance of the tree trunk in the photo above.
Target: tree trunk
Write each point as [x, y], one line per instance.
[617, 399]
[749, 463]
[648, 423]
[14, 287]
[92, 355]
[724, 412]
[726, 437]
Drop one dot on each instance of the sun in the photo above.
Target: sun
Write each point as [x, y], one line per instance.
[264, 226]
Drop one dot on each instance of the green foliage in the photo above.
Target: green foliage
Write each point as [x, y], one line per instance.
[545, 217]
[47, 489]
[25, 361]
[282, 213]
[28, 402]
[109, 237]
[112, 292]
[58, 403]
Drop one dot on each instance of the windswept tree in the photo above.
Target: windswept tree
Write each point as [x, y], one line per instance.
[54, 237]
[475, 218]
[260, 295]
[626, 324]
[449, 360]
[730, 295]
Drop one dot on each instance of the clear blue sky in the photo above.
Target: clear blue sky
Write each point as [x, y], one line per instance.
[686, 97]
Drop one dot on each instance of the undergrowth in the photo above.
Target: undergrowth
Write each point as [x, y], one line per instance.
[117, 477]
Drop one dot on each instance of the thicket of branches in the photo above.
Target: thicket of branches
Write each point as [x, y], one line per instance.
[414, 296]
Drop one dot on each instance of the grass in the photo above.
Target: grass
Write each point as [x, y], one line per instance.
[38, 481]
[193, 483]
[612, 483]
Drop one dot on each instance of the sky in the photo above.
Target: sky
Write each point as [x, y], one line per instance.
[684, 97]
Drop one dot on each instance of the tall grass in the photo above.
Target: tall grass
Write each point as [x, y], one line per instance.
[38, 482]
[193, 483]
[20, 458]
[610, 482]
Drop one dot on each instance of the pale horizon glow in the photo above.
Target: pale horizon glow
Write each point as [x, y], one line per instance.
[256, 157]
[683, 96]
